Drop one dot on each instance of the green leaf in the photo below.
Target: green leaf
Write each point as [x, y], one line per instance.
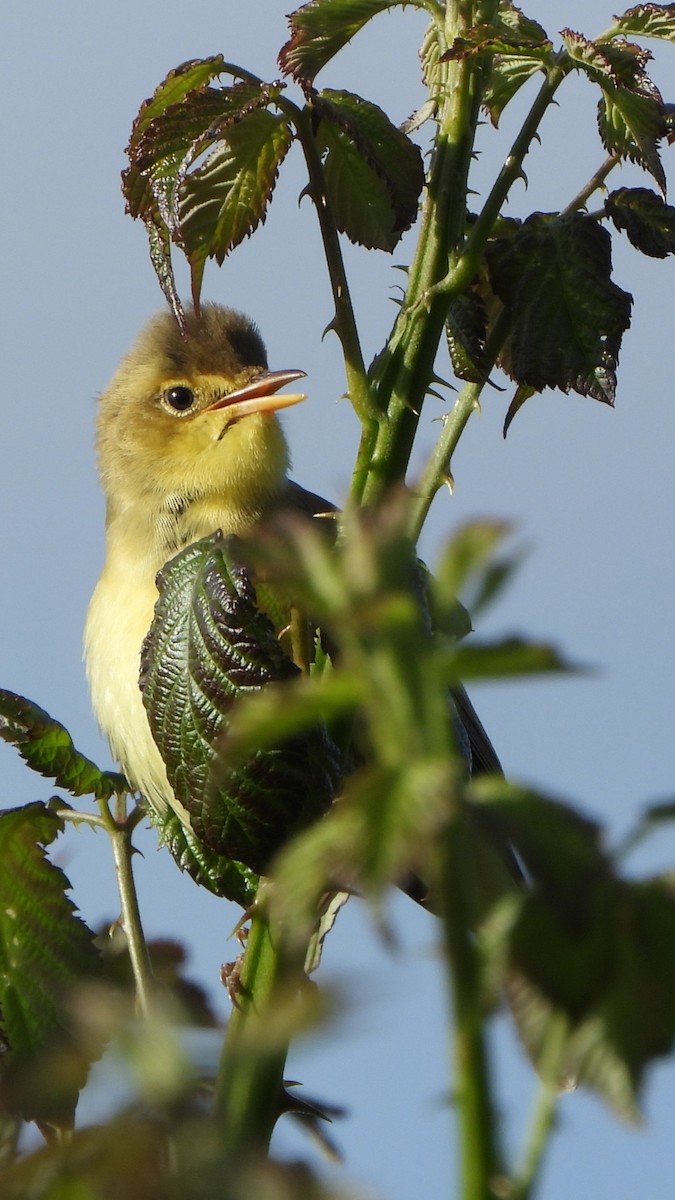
[171, 92]
[291, 708]
[167, 145]
[208, 646]
[504, 657]
[611, 974]
[511, 22]
[373, 172]
[584, 945]
[648, 221]
[359, 198]
[430, 56]
[223, 876]
[45, 952]
[47, 747]
[567, 316]
[631, 126]
[508, 73]
[159, 245]
[321, 28]
[385, 827]
[605, 63]
[646, 20]
[226, 198]
[517, 48]
[186, 78]
[511, 32]
[465, 560]
[630, 116]
[183, 119]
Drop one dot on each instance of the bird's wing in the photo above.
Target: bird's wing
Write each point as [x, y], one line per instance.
[308, 503]
[484, 760]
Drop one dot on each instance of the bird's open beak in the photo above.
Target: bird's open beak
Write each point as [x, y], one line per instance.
[260, 395]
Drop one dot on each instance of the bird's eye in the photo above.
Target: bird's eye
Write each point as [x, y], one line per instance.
[178, 398]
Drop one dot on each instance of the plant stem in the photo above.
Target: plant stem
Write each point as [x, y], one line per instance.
[437, 470]
[249, 1087]
[466, 266]
[481, 1170]
[596, 181]
[543, 1117]
[81, 818]
[444, 264]
[402, 375]
[131, 920]
[120, 829]
[344, 321]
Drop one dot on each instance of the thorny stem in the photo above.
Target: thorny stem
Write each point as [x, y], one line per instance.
[401, 377]
[461, 274]
[249, 1087]
[437, 470]
[443, 267]
[81, 818]
[344, 321]
[481, 1168]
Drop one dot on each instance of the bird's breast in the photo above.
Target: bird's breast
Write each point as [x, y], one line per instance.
[119, 616]
[139, 543]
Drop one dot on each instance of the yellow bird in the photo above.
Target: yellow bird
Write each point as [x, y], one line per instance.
[188, 443]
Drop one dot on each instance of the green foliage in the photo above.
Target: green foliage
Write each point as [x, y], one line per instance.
[373, 173]
[47, 747]
[586, 945]
[566, 316]
[210, 211]
[361, 770]
[646, 20]
[225, 200]
[648, 221]
[46, 952]
[209, 645]
[321, 28]
[630, 115]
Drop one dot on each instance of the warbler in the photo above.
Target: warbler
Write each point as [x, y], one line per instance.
[188, 443]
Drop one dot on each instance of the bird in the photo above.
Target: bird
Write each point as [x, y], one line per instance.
[189, 443]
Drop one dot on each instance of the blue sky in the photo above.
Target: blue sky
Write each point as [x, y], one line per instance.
[590, 491]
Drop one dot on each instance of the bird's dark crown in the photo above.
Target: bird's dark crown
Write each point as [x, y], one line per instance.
[218, 341]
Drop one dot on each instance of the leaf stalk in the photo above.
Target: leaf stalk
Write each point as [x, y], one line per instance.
[120, 829]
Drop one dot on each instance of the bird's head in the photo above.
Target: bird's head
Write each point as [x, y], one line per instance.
[191, 414]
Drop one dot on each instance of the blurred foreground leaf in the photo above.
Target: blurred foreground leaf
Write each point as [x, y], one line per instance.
[586, 946]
